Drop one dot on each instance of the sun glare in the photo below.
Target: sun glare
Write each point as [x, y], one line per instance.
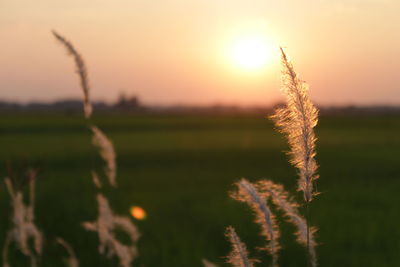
[251, 53]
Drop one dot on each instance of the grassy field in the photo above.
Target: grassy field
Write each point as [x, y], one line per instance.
[180, 170]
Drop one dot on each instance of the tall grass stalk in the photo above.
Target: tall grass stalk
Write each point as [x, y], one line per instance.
[297, 121]
[107, 223]
[100, 140]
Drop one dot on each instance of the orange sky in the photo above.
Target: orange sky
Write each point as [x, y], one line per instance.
[174, 51]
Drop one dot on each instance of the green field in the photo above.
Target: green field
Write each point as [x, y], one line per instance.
[180, 170]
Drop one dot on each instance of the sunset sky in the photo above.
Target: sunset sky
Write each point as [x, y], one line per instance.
[195, 51]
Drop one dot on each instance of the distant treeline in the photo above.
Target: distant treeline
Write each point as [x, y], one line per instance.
[74, 105]
[133, 105]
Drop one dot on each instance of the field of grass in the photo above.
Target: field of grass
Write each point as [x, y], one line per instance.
[180, 170]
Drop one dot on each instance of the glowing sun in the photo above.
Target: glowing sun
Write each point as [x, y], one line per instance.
[251, 53]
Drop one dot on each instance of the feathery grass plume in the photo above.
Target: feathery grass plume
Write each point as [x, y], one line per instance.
[99, 138]
[297, 120]
[22, 219]
[206, 263]
[248, 193]
[72, 260]
[105, 226]
[239, 255]
[81, 71]
[107, 153]
[290, 208]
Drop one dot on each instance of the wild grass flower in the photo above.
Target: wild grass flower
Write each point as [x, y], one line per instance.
[23, 228]
[72, 260]
[297, 120]
[238, 257]
[80, 70]
[100, 140]
[105, 226]
[289, 207]
[248, 193]
[107, 222]
[107, 153]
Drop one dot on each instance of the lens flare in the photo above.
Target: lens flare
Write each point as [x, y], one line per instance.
[138, 213]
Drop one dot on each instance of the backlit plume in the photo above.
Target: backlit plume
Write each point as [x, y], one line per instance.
[264, 217]
[297, 120]
[239, 255]
[80, 70]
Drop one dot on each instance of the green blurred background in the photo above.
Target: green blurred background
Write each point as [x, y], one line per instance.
[180, 169]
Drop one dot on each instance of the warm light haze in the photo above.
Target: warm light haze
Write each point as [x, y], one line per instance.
[188, 133]
[202, 52]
